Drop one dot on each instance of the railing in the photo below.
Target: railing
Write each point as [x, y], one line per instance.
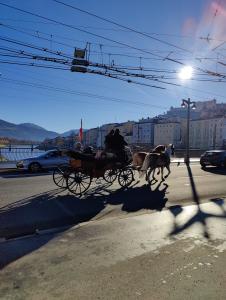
[12, 154]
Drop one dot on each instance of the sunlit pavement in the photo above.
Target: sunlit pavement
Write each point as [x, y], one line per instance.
[178, 253]
[31, 203]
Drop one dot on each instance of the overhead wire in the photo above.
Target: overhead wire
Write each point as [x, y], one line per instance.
[120, 25]
[108, 39]
[90, 95]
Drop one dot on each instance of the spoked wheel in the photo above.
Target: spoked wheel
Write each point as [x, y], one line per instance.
[78, 182]
[125, 177]
[60, 175]
[110, 175]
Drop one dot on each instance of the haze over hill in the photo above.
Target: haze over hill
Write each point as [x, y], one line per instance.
[25, 131]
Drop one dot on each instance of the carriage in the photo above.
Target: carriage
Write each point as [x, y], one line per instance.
[84, 168]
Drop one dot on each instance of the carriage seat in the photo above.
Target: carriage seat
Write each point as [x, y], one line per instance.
[81, 156]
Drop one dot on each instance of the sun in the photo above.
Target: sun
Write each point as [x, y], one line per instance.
[186, 72]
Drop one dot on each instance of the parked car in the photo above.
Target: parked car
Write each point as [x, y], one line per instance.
[48, 160]
[213, 158]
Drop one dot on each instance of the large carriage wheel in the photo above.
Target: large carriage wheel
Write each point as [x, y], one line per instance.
[78, 182]
[110, 175]
[60, 175]
[125, 177]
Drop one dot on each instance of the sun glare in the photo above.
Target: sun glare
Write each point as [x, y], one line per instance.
[186, 72]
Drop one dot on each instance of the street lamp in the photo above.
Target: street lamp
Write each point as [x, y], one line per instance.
[190, 105]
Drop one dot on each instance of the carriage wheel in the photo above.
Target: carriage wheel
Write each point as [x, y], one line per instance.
[60, 175]
[110, 175]
[78, 182]
[125, 177]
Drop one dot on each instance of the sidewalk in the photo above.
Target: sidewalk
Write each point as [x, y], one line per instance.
[181, 159]
[7, 165]
[178, 253]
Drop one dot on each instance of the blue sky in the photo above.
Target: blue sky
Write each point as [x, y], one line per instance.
[181, 23]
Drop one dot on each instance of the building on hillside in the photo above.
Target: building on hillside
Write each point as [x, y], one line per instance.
[176, 113]
[167, 133]
[208, 133]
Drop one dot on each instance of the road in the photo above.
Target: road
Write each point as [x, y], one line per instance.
[32, 202]
[152, 243]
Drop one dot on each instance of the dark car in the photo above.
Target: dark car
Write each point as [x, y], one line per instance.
[213, 158]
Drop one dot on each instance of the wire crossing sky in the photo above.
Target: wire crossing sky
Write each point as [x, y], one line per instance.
[132, 49]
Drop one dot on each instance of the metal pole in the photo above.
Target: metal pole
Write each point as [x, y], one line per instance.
[187, 160]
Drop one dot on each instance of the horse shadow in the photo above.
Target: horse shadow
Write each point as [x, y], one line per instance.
[199, 216]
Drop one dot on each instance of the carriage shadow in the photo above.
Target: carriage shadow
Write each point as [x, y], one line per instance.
[61, 210]
[147, 197]
[53, 210]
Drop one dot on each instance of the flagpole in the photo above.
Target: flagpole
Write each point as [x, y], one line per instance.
[81, 133]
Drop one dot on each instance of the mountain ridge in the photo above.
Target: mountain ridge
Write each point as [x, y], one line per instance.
[25, 131]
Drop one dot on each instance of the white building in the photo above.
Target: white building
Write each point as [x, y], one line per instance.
[167, 133]
[143, 132]
[208, 134]
[90, 137]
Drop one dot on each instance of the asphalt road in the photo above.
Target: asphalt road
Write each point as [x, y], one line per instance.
[145, 242]
[169, 255]
[32, 202]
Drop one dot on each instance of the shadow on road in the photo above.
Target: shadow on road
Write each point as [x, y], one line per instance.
[22, 174]
[200, 216]
[55, 210]
[150, 197]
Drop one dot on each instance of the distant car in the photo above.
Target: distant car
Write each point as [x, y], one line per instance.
[213, 158]
[48, 160]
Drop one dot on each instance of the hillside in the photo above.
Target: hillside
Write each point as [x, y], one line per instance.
[25, 131]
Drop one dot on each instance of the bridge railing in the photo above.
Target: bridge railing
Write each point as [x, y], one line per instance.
[12, 154]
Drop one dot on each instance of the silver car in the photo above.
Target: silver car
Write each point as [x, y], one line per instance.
[49, 160]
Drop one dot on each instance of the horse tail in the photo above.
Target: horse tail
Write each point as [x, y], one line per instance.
[146, 165]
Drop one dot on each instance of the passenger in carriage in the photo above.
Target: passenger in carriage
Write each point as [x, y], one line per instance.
[119, 145]
[78, 147]
[108, 143]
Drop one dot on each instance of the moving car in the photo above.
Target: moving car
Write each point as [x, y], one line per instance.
[213, 158]
[49, 160]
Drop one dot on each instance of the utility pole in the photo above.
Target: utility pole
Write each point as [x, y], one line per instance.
[189, 104]
[214, 136]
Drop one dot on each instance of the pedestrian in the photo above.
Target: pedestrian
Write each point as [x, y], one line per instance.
[172, 149]
[78, 147]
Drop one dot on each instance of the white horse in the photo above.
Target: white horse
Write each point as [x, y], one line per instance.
[156, 160]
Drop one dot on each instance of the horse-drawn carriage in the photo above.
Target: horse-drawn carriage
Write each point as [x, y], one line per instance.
[83, 168]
